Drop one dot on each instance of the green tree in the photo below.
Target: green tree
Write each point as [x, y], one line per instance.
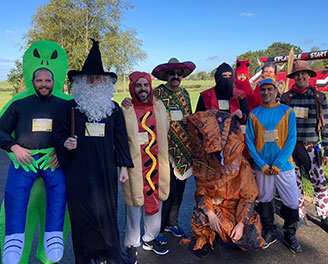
[15, 77]
[71, 23]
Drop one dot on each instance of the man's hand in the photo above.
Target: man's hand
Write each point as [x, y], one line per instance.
[271, 172]
[214, 221]
[23, 155]
[237, 232]
[325, 160]
[127, 102]
[53, 163]
[238, 113]
[124, 176]
[268, 172]
[71, 143]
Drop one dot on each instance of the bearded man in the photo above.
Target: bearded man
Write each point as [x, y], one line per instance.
[92, 143]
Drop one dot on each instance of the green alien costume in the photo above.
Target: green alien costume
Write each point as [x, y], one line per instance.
[49, 55]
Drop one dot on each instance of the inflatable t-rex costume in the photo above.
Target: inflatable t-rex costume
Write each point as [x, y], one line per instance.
[225, 183]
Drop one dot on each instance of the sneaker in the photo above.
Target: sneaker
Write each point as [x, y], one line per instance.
[292, 243]
[175, 230]
[270, 238]
[324, 224]
[155, 246]
[132, 253]
[301, 223]
[161, 238]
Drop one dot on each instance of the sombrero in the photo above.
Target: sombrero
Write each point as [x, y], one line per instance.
[160, 71]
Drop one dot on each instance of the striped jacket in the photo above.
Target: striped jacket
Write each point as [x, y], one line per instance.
[307, 127]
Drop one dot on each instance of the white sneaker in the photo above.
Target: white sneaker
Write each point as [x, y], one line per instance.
[13, 248]
[54, 245]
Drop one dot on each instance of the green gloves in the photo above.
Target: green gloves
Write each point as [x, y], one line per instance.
[48, 155]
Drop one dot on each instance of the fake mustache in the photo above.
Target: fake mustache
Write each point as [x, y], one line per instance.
[175, 79]
[143, 91]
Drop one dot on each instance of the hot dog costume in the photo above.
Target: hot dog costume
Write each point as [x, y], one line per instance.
[147, 126]
[51, 56]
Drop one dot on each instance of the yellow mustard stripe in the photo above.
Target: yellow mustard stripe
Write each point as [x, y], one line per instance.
[282, 128]
[258, 130]
[143, 124]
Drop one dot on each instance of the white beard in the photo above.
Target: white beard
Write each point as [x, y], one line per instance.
[94, 100]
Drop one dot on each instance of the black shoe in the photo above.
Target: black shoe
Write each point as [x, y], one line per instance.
[269, 237]
[132, 253]
[155, 246]
[203, 252]
[324, 224]
[292, 243]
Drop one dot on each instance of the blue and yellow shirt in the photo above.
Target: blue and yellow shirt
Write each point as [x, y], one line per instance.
[271, 136]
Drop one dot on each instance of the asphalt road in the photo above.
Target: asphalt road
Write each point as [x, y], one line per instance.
[313, 239]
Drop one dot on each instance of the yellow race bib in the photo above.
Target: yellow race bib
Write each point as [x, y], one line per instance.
[270, 135]
[301, 112]
[42, 125]
[176, 115]
[142, 138]
[94, 129]
[224, 104]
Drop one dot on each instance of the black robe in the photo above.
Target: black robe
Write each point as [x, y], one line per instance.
[91, 173]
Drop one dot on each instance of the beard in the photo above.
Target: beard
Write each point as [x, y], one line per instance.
[94, 100]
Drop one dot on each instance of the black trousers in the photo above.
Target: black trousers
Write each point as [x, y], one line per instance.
[171, 206]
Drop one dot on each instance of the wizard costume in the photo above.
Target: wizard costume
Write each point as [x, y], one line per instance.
[91, 173]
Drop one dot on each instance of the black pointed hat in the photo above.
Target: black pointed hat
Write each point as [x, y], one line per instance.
[92, 65]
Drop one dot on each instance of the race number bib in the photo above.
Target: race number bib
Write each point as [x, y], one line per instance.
[176, 115]
[223, 104]
[94, 129]
[301, 112]
[243, 129]
[142, 138]
[270, 135]
[42, 125]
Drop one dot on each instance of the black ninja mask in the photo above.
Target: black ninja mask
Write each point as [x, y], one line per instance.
[224, 86]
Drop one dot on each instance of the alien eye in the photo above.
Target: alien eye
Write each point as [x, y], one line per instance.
[238, 64]
[54, 55]
[247, 64]
[36, 53]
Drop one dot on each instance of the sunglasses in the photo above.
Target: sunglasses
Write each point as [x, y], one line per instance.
[173, 73]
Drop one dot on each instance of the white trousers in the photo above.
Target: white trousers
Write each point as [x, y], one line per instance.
[152, 225]
[284, 183]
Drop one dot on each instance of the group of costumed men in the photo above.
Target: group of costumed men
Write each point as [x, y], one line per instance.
[74, 150]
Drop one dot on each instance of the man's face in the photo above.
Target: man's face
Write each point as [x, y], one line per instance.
[268, 70]
[174, 78]
[142, 90]
[226, 75]
[94, 79]
[43, 82]
[241, 76]
[268, 93]
[302, 79]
